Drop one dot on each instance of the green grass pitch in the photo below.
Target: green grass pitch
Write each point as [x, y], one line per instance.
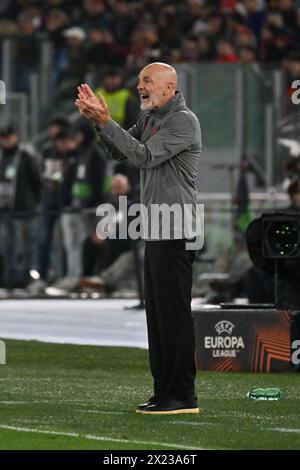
[83, 397]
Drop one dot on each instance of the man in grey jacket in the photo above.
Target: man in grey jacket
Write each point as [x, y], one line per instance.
[165, 144]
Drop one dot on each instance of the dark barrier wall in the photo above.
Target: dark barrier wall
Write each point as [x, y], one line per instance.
[242, 340]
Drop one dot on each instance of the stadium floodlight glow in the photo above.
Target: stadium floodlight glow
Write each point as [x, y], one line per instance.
[281, 236]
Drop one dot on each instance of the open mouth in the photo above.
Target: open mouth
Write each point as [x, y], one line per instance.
[144, 96]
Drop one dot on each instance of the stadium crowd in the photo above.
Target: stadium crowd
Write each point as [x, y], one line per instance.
[89, 35]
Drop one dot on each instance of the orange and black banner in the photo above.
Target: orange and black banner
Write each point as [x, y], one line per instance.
[254, 340]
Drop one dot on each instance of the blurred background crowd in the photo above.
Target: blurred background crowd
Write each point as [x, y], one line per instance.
[89, 35]
[56, 196]
[54, 173]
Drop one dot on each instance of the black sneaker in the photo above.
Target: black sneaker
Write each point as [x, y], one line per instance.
[171, 407]
[152, 401]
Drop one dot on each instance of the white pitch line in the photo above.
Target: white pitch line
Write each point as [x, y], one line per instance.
[103, 412]
[191, 423]
[23, 402]
[296, 431]
[57, 402]
[42, 402]
[97, 438]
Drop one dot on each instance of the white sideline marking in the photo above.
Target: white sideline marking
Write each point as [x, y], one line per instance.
[86, 322]
[80, 341]
[296, 431]
[103, 412]
[23, 402]
[42, 402]
[97, 438]
[191, 423]
[57, 402]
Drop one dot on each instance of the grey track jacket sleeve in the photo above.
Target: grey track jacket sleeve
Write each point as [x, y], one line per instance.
[111, 149]
[177, 134]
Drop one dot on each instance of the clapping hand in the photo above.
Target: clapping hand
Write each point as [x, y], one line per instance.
[91, 107]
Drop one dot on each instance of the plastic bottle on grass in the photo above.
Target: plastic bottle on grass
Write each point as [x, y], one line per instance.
[265, 394]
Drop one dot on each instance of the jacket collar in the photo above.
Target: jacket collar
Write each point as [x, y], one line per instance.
[177, 101]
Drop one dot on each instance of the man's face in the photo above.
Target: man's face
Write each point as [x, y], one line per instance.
[293, 67]
[66, 145]
[74, 42]
[94, 7]
[247, 56]
[154, 90]
[53, 130]
[9, 142]
[112, 82]
[119, 186]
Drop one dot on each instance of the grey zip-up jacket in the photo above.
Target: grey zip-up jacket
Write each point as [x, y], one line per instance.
[165, 144]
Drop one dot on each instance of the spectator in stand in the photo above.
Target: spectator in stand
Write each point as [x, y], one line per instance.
[244, 38]
[205, 48]
[123, 22]
[95, 15]
[275, 39]
[56, 21]
[194, 17]
[72, 8]
[103, 49]
[153, 7]
[287, 10]
[228, 6]
[124, 106]
[225, 52]
[20, 185]
[116, 260]
[247, 55]
[138, 53]
[292, 67]
[118, 98]
[216, 26]
[189, 51]
[71, 64]
[130, 34]
[255, 16]
[100, 252]
[123, 268]
[170, 26]
[27, 51]
[15, 7]
[86, 194]
[58, 160]
[7, 28]
[236, 24]
[297, 27]
[132, 111]
[127, 169]
[55, 126]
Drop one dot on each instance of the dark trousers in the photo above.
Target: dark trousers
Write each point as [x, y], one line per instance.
[168, 285]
